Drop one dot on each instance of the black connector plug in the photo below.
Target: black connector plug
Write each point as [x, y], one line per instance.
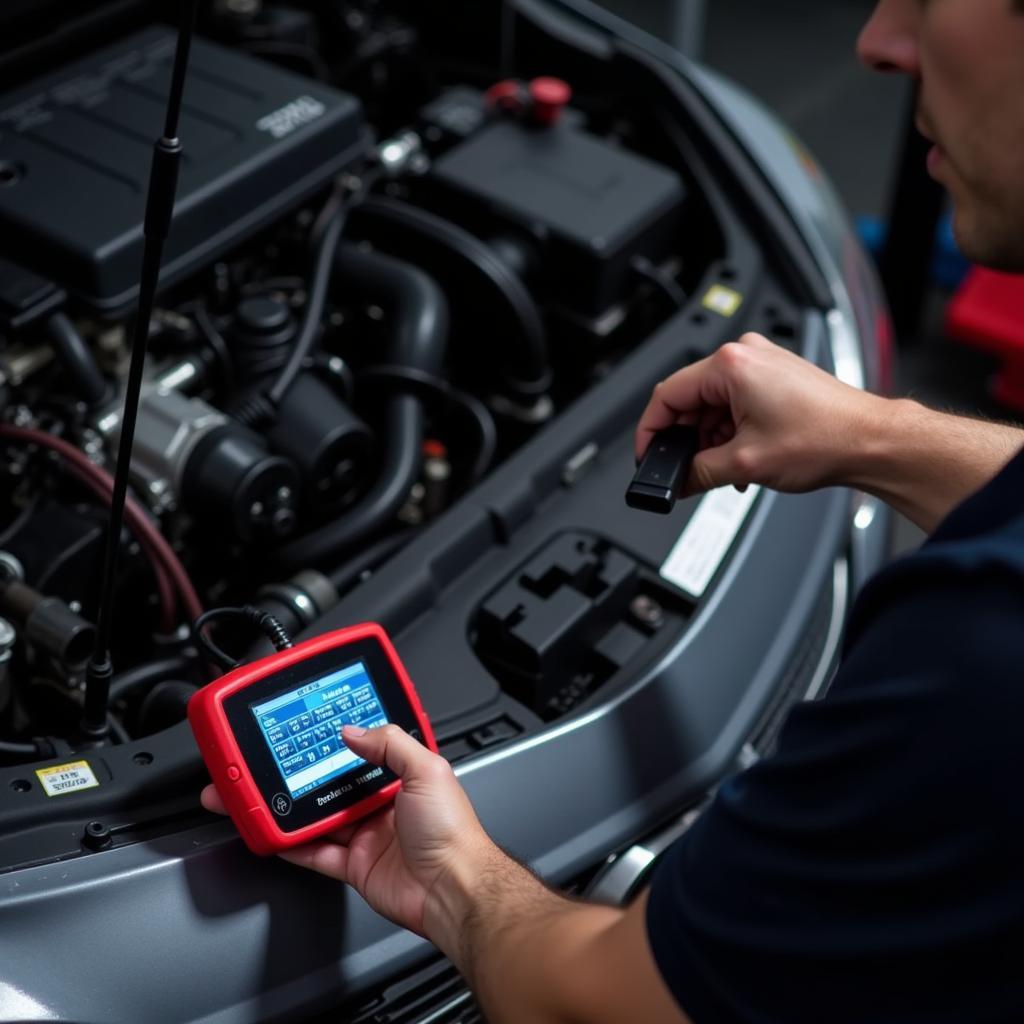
[664, 470]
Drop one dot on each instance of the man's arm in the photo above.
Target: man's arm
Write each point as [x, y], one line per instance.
[768, 417]
[924, 463]
[528, 953]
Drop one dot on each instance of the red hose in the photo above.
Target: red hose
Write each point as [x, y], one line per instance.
[165, 561]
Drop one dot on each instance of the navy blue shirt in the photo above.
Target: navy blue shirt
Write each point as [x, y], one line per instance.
[872, 869]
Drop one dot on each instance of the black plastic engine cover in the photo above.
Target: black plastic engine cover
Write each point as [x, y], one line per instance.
[257, 141]
[594, 207]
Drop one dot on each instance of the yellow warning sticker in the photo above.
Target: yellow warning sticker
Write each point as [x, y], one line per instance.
[721, 300]
[66, 778]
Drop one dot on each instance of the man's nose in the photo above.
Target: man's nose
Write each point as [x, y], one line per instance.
[889, 41]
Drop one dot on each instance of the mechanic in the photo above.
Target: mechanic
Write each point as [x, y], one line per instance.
[871, 869]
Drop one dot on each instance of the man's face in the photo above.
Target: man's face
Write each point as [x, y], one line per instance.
[969, 58]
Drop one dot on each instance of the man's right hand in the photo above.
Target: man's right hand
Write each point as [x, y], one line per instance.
[766, 416]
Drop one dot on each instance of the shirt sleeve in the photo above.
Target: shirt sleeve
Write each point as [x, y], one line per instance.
[871, 869]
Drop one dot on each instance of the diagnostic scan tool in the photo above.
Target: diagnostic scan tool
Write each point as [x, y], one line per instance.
[270, 734]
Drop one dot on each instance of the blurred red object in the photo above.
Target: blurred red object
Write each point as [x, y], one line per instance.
[987, 312]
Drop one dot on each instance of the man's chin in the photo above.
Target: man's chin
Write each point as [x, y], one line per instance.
[990, 246]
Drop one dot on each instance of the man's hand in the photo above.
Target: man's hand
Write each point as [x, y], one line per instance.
[765, 416]
[396, 857]
[768, 417]
[529, 954]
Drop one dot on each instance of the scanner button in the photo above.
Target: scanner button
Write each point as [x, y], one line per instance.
[233, 773]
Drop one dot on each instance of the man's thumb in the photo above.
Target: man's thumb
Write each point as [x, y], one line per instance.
[390, 746]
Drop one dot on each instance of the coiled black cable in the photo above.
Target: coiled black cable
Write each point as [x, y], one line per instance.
[263, 621]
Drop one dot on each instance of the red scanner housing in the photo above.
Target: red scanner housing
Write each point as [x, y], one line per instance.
[242, 760]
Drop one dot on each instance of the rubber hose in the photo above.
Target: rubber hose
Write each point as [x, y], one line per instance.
[316, 301]
[420, 314]
[148, 675]
[19, 749]
[415, 300]
[77, 360]
[527, 371]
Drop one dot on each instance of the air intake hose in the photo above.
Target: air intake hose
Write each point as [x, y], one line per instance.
[419, 312]
[527, 372]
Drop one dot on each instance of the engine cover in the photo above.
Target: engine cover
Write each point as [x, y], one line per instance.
[258, 140]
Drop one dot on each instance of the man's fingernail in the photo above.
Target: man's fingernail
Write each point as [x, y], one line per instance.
[355, 730]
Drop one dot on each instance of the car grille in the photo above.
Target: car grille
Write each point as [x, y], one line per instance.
[435, 994]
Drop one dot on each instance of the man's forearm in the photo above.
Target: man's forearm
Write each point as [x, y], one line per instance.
[924, 463]
[519, 945]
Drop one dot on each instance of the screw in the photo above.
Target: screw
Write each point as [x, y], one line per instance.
[647, 611]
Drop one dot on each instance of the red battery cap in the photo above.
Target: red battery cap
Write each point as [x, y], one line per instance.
[548, 97]
[505, 96]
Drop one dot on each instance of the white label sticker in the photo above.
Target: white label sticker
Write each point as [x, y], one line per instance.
[709, 534]
[66, 778]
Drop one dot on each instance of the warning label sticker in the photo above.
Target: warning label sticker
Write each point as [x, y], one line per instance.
[66, 778]
[709, 534]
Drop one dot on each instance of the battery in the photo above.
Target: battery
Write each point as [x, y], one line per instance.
[76, 147]
[595, 206]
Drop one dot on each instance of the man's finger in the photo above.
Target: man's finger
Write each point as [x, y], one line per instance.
[328, 858]
[720, 466]
[677, 399]
[211, 800]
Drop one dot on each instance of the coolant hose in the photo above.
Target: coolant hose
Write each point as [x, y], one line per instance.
[74, 355]
[419, 312]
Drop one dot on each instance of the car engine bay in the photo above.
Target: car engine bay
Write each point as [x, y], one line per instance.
[316, 375]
